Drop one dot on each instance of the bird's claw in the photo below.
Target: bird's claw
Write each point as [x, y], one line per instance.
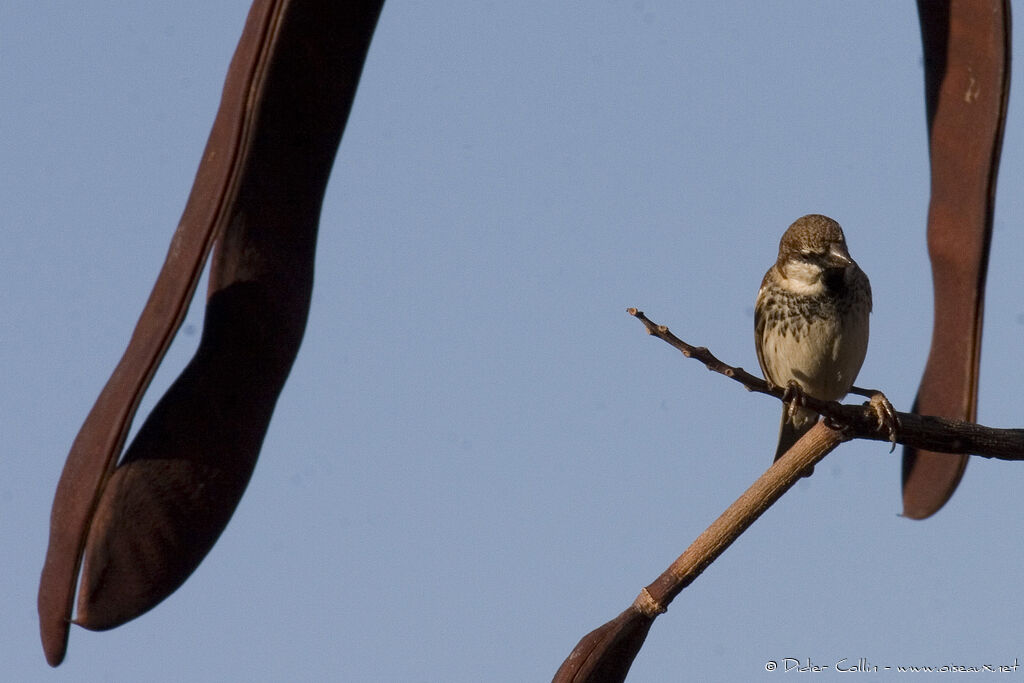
[793, 399]
[886, 414]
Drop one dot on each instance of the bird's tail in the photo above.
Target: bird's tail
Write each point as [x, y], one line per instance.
[790, 431]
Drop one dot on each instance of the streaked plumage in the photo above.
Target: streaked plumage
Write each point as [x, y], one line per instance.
[811, 319]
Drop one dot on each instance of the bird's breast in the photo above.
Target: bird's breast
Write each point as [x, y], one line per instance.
[816, 342]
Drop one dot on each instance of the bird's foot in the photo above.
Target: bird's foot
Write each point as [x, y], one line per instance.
[886, 414]
[793, 399]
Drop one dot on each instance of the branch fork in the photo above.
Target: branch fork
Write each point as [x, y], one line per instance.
[606, 653]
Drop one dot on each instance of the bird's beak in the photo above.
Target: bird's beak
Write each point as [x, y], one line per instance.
[838, 256]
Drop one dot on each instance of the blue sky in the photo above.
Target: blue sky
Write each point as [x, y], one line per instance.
[479, 456]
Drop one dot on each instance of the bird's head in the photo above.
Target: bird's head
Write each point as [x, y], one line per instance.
[817, 240]
[814, 249]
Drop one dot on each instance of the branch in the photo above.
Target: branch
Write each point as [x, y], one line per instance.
[606, 653]
[925, 432]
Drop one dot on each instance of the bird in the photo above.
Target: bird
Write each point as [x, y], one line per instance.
[811, 320]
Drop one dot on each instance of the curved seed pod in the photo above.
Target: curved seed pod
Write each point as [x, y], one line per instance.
[144, 526]
[967, 82]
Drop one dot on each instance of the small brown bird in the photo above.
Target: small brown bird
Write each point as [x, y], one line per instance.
[811, 319]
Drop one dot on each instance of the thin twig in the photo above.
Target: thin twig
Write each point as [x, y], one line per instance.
[925, 432]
